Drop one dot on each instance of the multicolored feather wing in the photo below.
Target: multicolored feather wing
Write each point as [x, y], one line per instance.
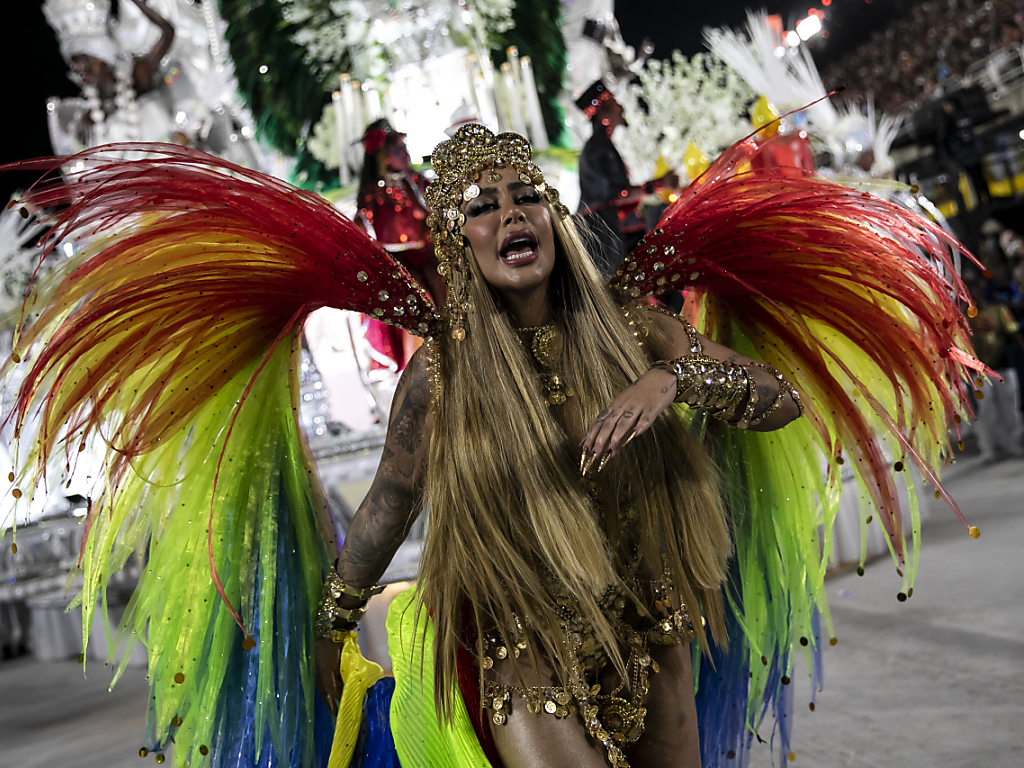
[858, 303]
[173, 337]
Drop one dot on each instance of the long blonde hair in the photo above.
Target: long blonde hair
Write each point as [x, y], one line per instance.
[509, 509]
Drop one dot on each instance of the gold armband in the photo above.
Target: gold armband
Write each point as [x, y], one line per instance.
[785, 388]
[333, 621]
[723, 386]
[720, 386]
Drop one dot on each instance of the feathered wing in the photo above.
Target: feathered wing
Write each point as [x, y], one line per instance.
[857, 302]
[173, 337]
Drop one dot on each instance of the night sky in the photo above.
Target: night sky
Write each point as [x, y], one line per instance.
[33, 70]
[677, 24]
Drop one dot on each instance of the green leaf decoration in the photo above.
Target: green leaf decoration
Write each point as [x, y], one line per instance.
[286, 98]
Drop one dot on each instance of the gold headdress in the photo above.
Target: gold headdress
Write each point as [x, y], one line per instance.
[457, 161]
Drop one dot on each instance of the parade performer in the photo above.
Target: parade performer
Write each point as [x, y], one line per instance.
[392, 210]
[605, 188]
[583, 557]
[118, 90]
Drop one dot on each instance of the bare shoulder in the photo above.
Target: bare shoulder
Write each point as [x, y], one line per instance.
[414, 383]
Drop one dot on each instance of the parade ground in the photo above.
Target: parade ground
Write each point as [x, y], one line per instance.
[934, 682]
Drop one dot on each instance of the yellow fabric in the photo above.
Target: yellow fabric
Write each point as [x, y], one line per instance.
[422, 739]
[695, 160]
[358, 674]
[764, 114]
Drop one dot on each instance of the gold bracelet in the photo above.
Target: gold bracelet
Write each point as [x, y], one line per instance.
[753, 397]
[333, 621]
[719, 386]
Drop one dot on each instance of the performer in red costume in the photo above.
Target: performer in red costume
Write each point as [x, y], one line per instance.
[789, 149]
[393, 212]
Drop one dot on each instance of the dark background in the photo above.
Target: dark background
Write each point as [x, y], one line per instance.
[31, 68]
[678, 24]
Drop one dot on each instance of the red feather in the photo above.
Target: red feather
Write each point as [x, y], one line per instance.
[778, 251]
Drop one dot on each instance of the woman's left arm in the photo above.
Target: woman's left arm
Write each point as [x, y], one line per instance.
[635, 408]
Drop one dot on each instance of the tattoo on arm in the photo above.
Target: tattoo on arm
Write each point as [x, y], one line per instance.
[395, 498]
[407, 423]
[377, 530]
[766, 393]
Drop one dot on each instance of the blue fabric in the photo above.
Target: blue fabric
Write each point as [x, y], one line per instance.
[302, 747]
[376, 745]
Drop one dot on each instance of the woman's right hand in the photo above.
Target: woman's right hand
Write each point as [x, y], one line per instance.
[327, 657]
[630, 414]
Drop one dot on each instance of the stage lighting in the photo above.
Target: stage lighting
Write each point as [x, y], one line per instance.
[809, 27]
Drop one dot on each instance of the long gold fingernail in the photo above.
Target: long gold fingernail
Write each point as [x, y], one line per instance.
[583, 460]
[630, 438]
[591, 457]
[603, 462]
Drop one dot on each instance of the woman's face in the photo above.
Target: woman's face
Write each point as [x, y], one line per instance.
[89, 69]
[508, 226]
[396, 155]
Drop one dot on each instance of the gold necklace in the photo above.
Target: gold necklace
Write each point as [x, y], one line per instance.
[545, 344]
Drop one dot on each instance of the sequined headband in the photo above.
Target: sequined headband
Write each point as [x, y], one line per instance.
[457, 161]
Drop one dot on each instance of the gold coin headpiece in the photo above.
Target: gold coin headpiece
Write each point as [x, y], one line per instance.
[458, 162]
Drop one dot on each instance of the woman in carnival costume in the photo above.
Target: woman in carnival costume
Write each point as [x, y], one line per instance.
[551, 566]
[583, 532]
[393, 211]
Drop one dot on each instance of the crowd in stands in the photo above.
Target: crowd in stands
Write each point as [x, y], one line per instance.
[996, 323]
[915, 57]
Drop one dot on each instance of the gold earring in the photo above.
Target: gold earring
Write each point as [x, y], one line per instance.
[459, 301]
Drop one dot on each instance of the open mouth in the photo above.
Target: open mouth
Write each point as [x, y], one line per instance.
[519, 247]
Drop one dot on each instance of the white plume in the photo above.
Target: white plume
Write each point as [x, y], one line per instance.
[753, 57]
[885, 132]
[809, 87]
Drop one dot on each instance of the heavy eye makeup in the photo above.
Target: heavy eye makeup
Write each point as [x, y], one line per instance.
[523, 194]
